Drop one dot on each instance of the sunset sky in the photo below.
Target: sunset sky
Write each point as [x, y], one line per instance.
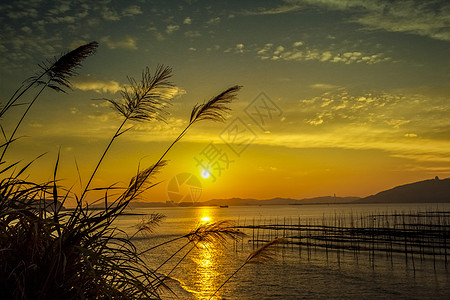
[339, 97]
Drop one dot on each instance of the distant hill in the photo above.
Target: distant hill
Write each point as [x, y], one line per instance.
[242, 202]
[279, 201]
[48, 205]
[427, 191]
[139, 204]
[135, 204]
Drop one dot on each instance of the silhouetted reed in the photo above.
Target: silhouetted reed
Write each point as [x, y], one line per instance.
[54, 75]
[50, 253]
[260, 255]
[142, 101]
[148, 223]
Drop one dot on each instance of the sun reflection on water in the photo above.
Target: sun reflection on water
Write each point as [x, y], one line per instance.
[205, 214]
[208, 271]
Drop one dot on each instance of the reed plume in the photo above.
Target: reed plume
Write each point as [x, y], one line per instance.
[58, 75]
[208, 234]
[264, 253]
[145, 100]
[63, 69]
[215, 108]
[142, 101]
[51, 253]
[149, 223]
[215, 233]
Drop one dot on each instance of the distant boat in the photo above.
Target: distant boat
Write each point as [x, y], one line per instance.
[223, 206]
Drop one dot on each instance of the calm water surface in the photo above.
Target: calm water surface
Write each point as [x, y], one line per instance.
[292, 274]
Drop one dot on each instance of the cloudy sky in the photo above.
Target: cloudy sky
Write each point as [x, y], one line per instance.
[339, 97]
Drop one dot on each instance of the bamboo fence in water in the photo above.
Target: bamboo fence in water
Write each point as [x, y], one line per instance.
[421, 235]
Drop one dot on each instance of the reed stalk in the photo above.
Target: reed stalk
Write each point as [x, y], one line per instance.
[49, 253]
[59, 74]
[260, 255]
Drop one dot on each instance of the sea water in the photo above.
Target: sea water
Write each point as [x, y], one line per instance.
[294, 273]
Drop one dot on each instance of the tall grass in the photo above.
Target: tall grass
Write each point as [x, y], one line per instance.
[47, 252]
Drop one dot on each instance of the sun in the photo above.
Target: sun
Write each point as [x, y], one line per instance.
[205, 174]
[206, 219]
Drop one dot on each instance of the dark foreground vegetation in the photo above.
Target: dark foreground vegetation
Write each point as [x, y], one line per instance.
[47, 252]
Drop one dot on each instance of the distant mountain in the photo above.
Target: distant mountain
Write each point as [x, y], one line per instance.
[427, 191]
[48, 205]
[242, 202]
[139, 204]
[278, 201]
[135, 204]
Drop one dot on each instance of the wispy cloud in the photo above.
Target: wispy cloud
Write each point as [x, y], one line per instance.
[192, 34]
[32, 29]
[350, 137]
[299, 51]
[109, 14]
[238, 49]
[213, 21]
[425, 18]
[422, 150]
[176, 92]
[109, 86]
[112, 86]
[131, 10]
[187, 21]
[25, 46]
[338, 119]
[126, 43]
[167, 129]
[324, 86]
[271, 11]
[402, 125]
[382, 110]
[172, 28]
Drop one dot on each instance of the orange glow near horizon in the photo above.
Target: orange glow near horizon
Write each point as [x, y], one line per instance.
[318, 114]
